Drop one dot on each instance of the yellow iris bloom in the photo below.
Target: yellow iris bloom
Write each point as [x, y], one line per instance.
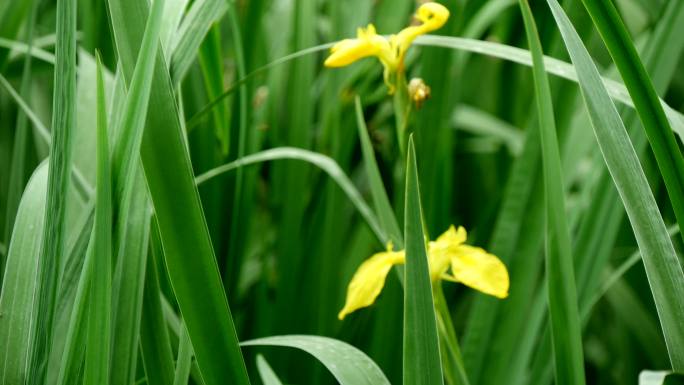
[469, 265]
[390, 51]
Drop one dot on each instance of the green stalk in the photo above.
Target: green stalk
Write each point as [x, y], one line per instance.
[454, 370]
[402, 111]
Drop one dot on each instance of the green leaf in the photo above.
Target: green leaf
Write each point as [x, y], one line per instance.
[649, 377]
[154, 337]
[22, 48]
[17, 301]
[476, 121]
[615, 89]
[168, 172]
[193, 28]
[560, 276]
[646, 101]
[70, 361]
[18, 173]
[349, 365]
[128, 284]
[12, 13]
[554, 66]
[100, 298]
[184, 361]
[383, 208]
[422, 362]
[663, 268]
[130, 134]
[173, 13]
[323, 162]
[268, 376]
[59, 172]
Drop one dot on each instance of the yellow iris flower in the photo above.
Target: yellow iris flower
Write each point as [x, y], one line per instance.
[469, 265]
[390, 51]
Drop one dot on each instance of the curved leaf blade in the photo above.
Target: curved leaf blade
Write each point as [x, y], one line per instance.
[349, 365]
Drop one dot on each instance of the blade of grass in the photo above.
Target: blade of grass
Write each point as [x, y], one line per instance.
[154, 337]
[196, 281]
[84, 188]
[560, 276]
[268, 376]
[660, 260]
[17, 301]
[70, 368]
[193, 28]
[52, 245]
[476, 121]
[78, 249]
[616, 274]
[184, 360]
[422, 362]
[663, 377]
[128, 286]
[130, 134]
[240, 217]
[133, 217]
[23, 48]
[173, 13]
[554, 66]
[100, 298]
[321, 161]
[646, 101]
[615, 89]
[517, 243]
[383, 208]
[355, 369]
[12, 14]
[18, 176]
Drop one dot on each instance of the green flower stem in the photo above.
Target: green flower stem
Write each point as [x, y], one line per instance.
[402, 112]
[452, 360]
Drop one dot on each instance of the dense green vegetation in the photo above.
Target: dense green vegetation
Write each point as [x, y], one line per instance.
[228, 192]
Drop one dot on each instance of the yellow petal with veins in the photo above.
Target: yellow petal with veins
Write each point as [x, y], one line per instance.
[480, 270]
[369, 279]
[367, 43]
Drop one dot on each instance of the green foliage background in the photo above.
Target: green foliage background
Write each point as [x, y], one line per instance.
[181, 176]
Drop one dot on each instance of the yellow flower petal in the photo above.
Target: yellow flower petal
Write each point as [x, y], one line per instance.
[369, 280]
[438, 262]
[442, 249]
[367, 43]
[480, 270]
[432, 16]
[452, 237]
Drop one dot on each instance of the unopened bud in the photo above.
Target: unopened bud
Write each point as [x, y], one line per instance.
[418, 91]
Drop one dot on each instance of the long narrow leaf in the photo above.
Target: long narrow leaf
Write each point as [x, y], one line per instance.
[422, 362]
[321, 161]
[354, 369]
[52, 246]
[383, 208]
[154, 336]
[560, 276]
[646, 101]
[196, 281]
[268, 376]
[663, 269]
[17, 301]
[100, 299]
